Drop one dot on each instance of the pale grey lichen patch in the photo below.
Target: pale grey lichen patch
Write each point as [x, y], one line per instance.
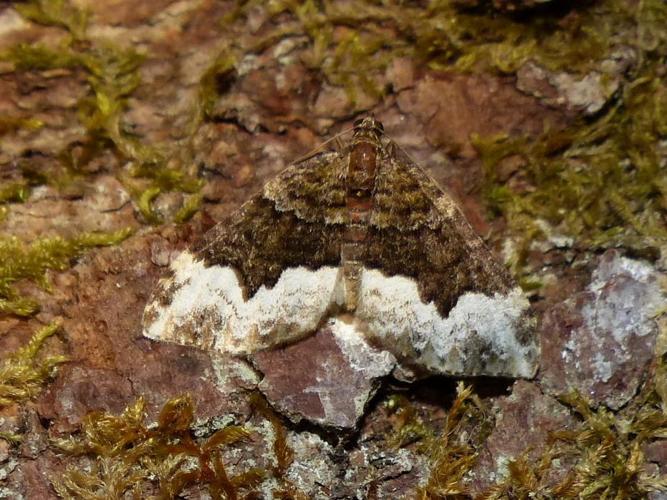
[586, 93]
[600, 341]
[626, 299]
[313, 465]
[231, 373]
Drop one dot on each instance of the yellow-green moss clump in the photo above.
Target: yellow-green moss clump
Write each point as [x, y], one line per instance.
[603, 183]
[603, 180]
[602, 457]
[125, 456]
[452, 451]
[605, 456]
[19, 261]
[23, 373]
[113, 75]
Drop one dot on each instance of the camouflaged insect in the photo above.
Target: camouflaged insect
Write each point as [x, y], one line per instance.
[361, 236]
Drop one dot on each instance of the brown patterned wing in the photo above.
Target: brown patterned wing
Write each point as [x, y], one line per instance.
[297, 220]
[266, 275]
[431, 292]
[417, 230]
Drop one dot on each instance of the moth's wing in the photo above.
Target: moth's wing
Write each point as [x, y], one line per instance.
[264, 276]
[431, 287]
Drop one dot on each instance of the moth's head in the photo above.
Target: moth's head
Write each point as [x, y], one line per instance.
[368, 127]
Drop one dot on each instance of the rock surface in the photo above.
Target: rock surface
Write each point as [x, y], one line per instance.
[274, 92]
[327, 378]
[600, 341]
[524, 421]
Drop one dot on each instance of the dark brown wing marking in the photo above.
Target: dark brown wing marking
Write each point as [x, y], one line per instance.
[418, 231]
[313, 189]
[296, 221]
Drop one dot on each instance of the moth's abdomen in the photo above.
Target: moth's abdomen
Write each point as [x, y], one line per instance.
[359, 188]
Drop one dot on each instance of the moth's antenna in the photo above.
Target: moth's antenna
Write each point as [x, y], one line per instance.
[416, 164]
[322, 146]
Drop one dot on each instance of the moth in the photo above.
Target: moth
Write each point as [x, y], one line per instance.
[358, 234]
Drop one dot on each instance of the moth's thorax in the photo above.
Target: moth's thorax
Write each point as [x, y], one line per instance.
[360, 178]
[361, 169]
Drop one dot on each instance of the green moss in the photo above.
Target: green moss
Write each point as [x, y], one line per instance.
[189, 208]
[451, 450]
[38, 57]
[22, 374]
[56, 13]
[19, 261]
[602, 457]
[14, 191]
[602, 183]
[11, 123]
[215, 77]
[605, 453]
[113, 76]
[352, 43]
[127, 456]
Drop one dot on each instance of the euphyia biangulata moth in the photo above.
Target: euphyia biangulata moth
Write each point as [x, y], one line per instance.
[360, 235]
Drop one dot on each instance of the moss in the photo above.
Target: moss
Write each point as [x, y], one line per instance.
[11, 123]
[39, 57]
[282, 452]
[602, 457]
[127, 456]
[22, 373]
[113, 76]
[601, 183]
[14, 192]
[19, 261]
[56, 13]
[606, 453]
[451, 450]
[189, 208]
[213, 80]
[353, 43]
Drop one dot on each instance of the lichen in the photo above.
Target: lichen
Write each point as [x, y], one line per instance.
[19, 261]
[23, 373]
[123, 455]
[282, 452]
